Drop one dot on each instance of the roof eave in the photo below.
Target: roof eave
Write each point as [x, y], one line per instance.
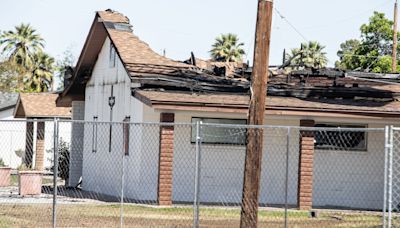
[244, 109]
[61, 99]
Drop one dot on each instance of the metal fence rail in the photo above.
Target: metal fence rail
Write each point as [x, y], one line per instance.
[392, 190]
[191, 174]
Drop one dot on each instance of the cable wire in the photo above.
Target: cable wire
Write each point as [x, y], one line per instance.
[290, 24]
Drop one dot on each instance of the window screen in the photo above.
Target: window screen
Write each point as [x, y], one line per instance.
[113, 55]
[353, 139]
[220, 134]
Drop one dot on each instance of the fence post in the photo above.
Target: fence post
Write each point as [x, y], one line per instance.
[387, 146]
[55, 171]
[197, 177]
[125, 151]
[122, 190]
[287, 174]
[390, 177]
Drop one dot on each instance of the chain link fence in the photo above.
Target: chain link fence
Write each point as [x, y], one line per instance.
[392, 178]
[26, 169]
[171, 174]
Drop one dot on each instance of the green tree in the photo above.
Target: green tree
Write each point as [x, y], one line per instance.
[21, 44]
[10, 77]
[67, 60]
[39, 78]
[311, 55]
[347, 54]
[374, 49]
[25, 60]
[227, 48]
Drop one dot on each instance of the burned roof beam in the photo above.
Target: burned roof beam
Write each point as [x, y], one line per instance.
[185, 84]
[327, 72]
[373, 75]
[332, 92]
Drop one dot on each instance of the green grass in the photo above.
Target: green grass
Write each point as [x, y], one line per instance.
[14, 180]
[91, 215]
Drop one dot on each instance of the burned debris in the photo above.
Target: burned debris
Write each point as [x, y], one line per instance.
[307, 83]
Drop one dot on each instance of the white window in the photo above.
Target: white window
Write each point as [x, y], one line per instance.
[113, 56]
[220, 134]
[354, 138]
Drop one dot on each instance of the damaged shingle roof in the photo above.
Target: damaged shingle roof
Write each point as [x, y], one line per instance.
[147, 67]
[113, 16]
[137, 55]
[163, 81]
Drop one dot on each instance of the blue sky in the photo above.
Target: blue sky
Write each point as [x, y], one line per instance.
[182, 26]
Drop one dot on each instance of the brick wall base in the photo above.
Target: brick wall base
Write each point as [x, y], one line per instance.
[306, 161]
[166, 160]
[39, 160]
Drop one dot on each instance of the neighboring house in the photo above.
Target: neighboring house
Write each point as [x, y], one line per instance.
[35, 132]
[9, 134]
[7, 105]
[147, 87]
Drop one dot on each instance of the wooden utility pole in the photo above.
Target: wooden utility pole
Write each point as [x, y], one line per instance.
[252, 173]
[394, 52]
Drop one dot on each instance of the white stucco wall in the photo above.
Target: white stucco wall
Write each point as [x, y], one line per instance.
[341, 178]
[352, 179]
[223, 165]
[12, 138]
[102, 169]
[64, 134]
[77, 131]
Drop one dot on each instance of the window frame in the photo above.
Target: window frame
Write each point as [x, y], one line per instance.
[112, 56]
[193, 129]
[126, 128]
[342, 125]
[94, 134]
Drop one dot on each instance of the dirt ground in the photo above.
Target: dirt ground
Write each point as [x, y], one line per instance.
[84, 215]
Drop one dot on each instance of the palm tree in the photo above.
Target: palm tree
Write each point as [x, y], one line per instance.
[311, 55]
[20, 45]
[40, 75]
[227, 48]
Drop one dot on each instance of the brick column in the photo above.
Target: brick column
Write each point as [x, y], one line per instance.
[165, 160]
[39, 161]
[306, 160]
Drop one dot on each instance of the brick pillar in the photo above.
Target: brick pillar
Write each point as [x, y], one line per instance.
[28, 145]
[165, 160]
[39, 161]
[306, 160]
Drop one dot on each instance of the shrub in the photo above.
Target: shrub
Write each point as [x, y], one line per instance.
[63, 159]
[23, 167]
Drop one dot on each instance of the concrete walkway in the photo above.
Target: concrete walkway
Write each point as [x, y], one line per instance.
[9, 195]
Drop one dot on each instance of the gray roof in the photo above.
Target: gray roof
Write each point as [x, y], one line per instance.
[8, 100]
